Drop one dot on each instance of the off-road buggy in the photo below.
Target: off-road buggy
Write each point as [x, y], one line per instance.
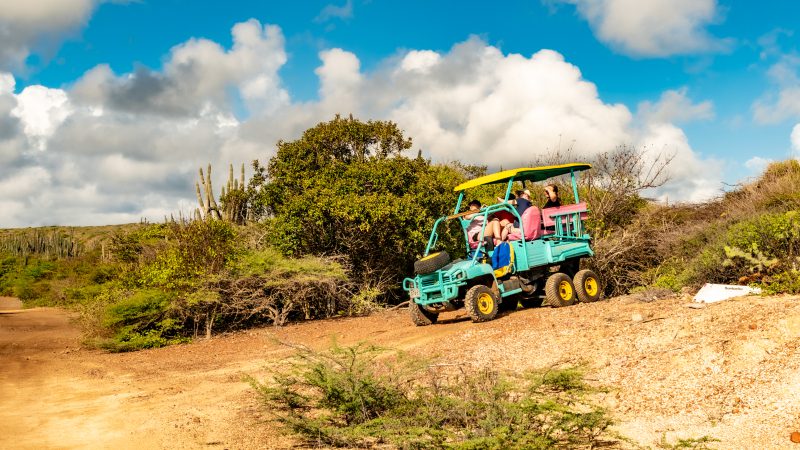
[544, 263]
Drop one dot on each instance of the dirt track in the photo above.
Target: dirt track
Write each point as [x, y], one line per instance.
[730, 371]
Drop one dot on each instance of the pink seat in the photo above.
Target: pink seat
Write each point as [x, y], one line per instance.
[531, 223]
[547, 214]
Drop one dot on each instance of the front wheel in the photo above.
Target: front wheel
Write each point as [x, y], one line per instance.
[559, 290]
[587, 286]
[420, 316]
[481, 303]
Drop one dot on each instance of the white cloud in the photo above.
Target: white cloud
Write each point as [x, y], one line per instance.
[116, 148]
[795, 139]
[197, 75]
[421, 61]
[41, 111]
[690, 179]
[38, 25]
[7, 83]
[332, 11]
[674, 106]
[653, 28]
[757, 164]
[783, 101]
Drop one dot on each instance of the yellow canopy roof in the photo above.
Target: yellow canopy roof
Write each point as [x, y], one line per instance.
[525, 173]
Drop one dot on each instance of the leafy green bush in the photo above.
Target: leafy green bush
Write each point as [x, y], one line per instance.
[346, 188]
[141, 321]
[787, 282]
[361, 397]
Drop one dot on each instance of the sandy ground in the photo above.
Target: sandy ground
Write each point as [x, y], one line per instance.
[730, 371]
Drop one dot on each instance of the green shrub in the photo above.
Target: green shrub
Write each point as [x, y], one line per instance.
[347, 188]
[765, 244]
[141, 321]
[783, 283]
[362, 397]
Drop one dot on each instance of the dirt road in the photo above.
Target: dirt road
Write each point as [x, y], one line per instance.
[730, 371]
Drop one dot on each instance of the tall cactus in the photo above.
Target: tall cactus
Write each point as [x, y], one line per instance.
[234, 198]
[51, 243]
[208, 206]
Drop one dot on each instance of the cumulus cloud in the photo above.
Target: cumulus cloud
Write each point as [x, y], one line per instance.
[795, 138]
[783, 100]
[674, 106]
[118, 147]
[41, 111]
[199, 74]
[37, 25]
[654, 28]
[660, 137]
[757, 164]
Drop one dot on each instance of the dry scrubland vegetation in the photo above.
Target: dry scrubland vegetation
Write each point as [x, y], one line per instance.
[330, 226]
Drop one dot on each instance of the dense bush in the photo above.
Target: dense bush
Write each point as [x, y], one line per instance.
[749, 236]
[153, 285]
[346, 188]
[361, 397]
[754, 249]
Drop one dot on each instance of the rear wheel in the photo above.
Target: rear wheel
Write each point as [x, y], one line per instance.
[420, 316]
[559, 290]
[587, 286]
[481, 303]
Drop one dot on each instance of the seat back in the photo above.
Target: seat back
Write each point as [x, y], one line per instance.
[531, 222]
[566, 212]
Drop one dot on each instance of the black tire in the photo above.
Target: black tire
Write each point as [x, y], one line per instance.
[431, 263]
[531, 302]
[420, 316]
[509, 304]
[587, 286]
[559, 290]
[481, 303]
[535, 298]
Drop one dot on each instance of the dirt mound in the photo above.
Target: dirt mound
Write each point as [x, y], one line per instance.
[730, 371]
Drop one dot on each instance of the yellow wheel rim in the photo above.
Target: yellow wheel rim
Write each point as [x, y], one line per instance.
[565, 290]
[590, 286]
[485, 303]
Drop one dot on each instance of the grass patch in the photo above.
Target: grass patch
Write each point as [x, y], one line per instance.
[364, 396]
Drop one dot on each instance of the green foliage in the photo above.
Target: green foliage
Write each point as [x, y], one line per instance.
[45, 242]
[140, 321]
[361, 396]
[701, 443]
[787, 282]
[763, 247]
[346, 188]
[271, 261]
[197, 250]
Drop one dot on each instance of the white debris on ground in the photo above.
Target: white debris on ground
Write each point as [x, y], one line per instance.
[712, 293]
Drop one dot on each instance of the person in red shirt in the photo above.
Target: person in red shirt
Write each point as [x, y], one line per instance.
[502, 221]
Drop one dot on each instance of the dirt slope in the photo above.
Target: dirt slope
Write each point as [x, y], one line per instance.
[730, 371]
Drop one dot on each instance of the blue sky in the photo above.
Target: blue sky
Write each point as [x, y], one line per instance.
[108, 107]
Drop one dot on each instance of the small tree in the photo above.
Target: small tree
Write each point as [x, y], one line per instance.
[346, 187]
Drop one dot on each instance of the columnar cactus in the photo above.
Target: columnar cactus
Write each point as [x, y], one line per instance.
[234, 198]
[208, 206]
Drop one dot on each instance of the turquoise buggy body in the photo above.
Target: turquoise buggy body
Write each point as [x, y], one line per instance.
[545, 266]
